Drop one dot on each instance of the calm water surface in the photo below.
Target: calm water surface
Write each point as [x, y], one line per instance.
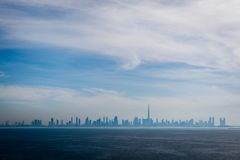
[137, 144]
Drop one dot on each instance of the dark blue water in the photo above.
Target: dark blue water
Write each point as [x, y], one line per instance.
[159, 144]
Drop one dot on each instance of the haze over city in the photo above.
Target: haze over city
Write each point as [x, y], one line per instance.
[106, 58]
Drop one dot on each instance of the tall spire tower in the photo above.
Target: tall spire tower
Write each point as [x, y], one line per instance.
[148, 112]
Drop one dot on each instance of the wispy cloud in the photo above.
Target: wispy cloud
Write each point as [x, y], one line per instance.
[204, 33]
[100, 91]
[36, 94]
[198, 76]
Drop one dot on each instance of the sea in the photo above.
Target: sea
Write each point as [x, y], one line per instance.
[119, 144]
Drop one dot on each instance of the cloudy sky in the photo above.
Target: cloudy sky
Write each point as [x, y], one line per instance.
[95, 58]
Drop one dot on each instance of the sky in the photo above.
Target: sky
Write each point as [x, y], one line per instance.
[114, 57]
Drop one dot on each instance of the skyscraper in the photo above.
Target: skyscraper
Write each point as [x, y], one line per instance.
[148, 112]
[222, 122]
[115, 121]
[148, 122]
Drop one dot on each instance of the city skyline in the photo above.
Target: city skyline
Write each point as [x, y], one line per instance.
[106, 121]
[91, 58]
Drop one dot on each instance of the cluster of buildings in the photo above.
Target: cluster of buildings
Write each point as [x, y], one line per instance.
[136, 122]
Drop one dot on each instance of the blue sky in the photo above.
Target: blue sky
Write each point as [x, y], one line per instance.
[114, 57]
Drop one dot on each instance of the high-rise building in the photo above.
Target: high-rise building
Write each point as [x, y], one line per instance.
[115, 121]
[148, 112]
[71, 123]
[86, 122]
[211, 122]
[149, 121]
[136, 122]
[51, 122]
[79, 122]
[76, 122]
[36, 123]
[222, 122]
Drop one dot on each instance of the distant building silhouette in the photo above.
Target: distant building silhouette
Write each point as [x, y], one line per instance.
[115, 121]
[149, 121]
[36, 123]
[222, 122]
